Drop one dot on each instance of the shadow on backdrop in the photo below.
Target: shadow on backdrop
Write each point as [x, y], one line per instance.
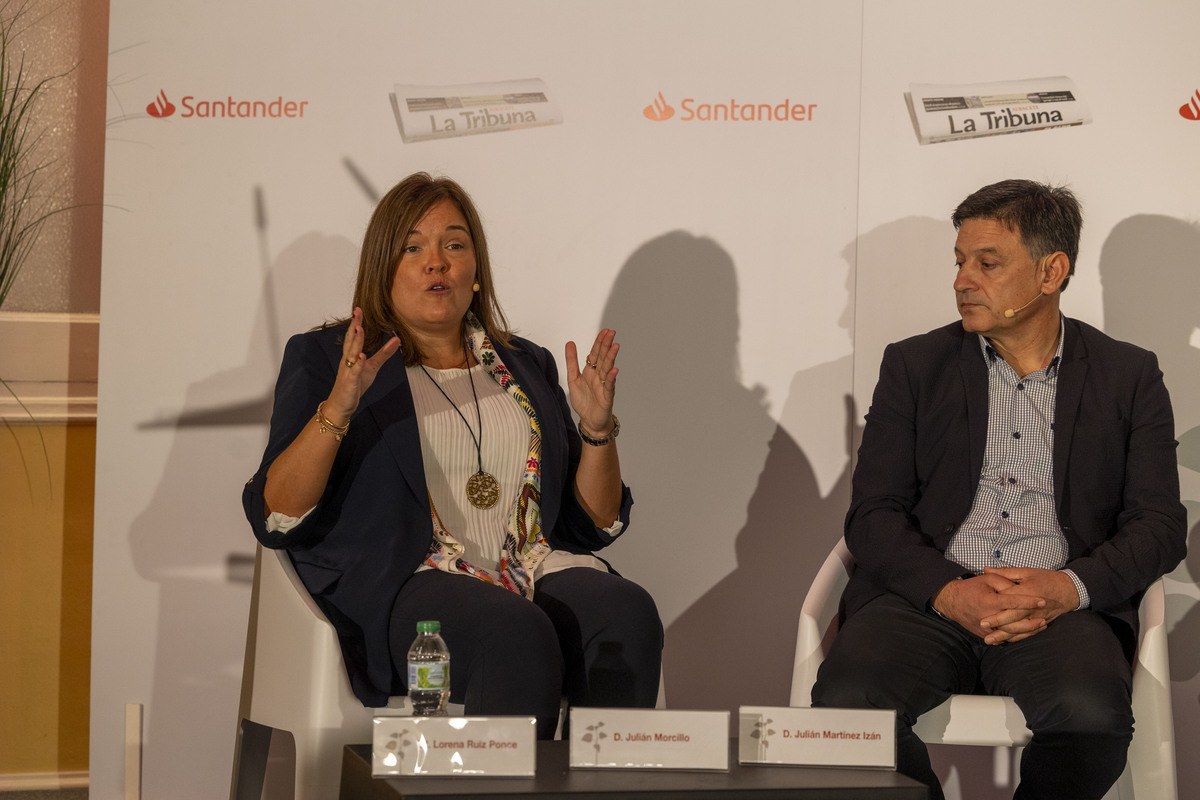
[730, 523]
[192, 539]
[699, 440]
[1149, 270]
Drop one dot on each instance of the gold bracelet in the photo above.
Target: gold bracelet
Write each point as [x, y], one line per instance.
[326, 426]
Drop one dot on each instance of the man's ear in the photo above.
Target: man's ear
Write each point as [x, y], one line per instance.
[1054, 268]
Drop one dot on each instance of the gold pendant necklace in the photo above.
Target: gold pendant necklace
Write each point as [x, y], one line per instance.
[483, 490]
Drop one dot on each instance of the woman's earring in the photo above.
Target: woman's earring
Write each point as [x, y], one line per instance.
[475, 288]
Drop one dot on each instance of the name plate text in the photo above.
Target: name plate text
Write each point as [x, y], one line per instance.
[823, 737]
[625, 738]
[454, 746]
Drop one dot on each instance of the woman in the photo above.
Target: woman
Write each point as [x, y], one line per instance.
[423, 464]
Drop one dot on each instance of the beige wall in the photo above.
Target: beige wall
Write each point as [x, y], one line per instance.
[47, 471]
[46, 501]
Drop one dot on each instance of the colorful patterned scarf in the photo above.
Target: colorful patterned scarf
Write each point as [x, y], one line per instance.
[524, 543]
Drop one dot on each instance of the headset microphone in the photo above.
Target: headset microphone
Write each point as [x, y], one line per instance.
[1012, 312]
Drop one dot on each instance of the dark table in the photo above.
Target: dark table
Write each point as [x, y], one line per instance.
[555, 781]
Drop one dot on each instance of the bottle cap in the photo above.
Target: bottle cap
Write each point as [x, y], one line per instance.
[428, 626]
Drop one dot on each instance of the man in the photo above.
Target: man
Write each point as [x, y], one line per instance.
[1016, 492]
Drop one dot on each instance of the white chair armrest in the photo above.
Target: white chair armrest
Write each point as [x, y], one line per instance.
[818, 622]
[1152, 751]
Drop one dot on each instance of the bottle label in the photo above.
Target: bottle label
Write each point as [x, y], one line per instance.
[428, 676]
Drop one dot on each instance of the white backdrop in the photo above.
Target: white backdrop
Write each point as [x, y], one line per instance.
[753, 270]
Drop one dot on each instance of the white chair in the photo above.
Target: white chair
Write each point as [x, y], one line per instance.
[294, 682]
[986, 720]
[295, 687]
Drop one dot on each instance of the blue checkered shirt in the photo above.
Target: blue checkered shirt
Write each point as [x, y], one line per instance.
[1013, 522]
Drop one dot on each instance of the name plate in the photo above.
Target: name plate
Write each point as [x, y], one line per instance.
[625, 738]
[821, 737]
[454, 746]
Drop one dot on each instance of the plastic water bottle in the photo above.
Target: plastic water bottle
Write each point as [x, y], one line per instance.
[429, 671]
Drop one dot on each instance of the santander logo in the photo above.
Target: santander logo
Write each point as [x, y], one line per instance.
[1191, 109]
[659, 110]
[731, 110]
[228, 107]
[161, 106]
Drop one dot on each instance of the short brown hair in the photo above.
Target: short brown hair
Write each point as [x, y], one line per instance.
[1047, 218]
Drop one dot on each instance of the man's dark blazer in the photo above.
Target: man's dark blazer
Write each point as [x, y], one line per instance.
[372, 528]
[1116, 483]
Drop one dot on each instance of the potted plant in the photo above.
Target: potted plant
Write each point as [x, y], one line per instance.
[24, 206]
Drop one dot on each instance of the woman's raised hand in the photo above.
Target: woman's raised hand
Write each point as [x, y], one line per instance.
[356, 373]
[592, 390]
